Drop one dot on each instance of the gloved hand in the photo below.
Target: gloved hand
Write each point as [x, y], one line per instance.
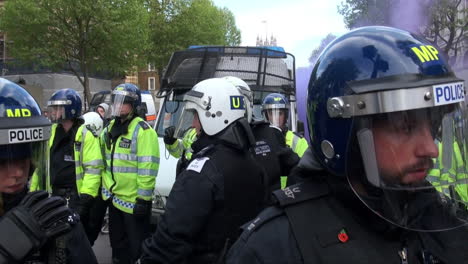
[288, 159]
[142, 208]
[25, 228]
[84, 205]
[169, 138]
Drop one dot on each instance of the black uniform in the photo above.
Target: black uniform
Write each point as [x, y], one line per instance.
[220, 190]
[272, 154]
[320, 220]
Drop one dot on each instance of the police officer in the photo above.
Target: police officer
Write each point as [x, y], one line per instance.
[103, 110]
[270, 151]
[275, 109]
[220, 189]
[75, 156]
[132, 158]
[365, 197]
[30, 222]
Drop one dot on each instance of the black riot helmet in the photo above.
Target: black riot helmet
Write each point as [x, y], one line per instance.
[24, 135]
[380, 100]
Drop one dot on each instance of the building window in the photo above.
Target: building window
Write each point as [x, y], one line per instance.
[151, 83]
[151, 67]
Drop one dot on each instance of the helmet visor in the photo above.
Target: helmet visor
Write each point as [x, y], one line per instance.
[56, 112]
[414, 163]
[186, 122]
[121, 103]
[19, 161]
[277, 117]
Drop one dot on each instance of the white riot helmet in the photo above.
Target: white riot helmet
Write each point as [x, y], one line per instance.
[217, 102]
[93, 122]
[244, 89]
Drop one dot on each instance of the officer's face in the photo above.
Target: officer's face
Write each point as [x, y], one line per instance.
[126, 109]
[404, 148]
[196, 124]
[14, 175]
[101, 111]
[277, 117]
[57, 112]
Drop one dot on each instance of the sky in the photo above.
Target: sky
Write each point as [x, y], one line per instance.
[298, 25]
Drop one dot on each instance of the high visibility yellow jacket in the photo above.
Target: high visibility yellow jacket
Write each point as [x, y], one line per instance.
[88, 162]
[132, 164]
[298, 144]
[178, 147]
[441, 177]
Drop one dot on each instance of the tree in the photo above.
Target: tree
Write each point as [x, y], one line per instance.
[95, 35]
[444, 22]
[317, 51]
[177, 24]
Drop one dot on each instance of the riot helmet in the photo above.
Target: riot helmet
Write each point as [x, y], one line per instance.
[244, 89]
[215, 102]
[24, 134]
[64, 104]
[93, 122]
[378, 100]
[275, 109]
[126, 100]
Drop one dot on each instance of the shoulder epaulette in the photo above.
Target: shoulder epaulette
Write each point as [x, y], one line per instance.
[265, 216]
[203, 152]
[300, 192]
[144, 125]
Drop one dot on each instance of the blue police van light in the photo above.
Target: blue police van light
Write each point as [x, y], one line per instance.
[272, 51]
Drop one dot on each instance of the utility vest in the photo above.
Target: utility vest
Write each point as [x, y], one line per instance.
[88, 162]
[132, 164]
[298, 144]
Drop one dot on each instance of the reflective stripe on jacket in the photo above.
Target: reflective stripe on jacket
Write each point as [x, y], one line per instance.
[88, 162]
[441, 177]
[178, 147]
[296, 143]
[132, 167]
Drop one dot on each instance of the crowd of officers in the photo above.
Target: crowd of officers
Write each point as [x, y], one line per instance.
[376, 185]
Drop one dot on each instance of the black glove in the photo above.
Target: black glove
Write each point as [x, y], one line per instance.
[288, 159]
[142, 208]
[169, 138]
[25, 228]
[84, 205]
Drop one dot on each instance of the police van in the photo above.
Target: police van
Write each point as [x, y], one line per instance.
[265, 69]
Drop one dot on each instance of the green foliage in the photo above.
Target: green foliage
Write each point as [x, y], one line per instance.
[177, 24]
[96, 34]
[317, 51]
[447, 20]
[357, 13]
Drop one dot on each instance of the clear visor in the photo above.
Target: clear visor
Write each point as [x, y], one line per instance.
[186, 122]
[19, 161]
[56, 113]
[277, 117]
[120, 106]
[414, 162]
